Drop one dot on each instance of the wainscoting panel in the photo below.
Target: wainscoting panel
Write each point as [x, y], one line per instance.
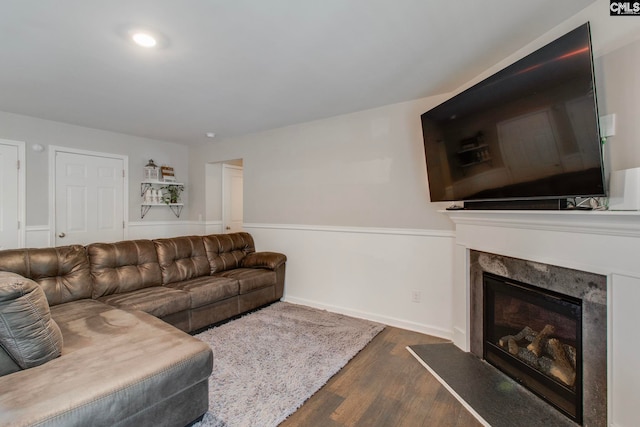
[163, 229]
[37, 236]
[213, 227]
[371, 273]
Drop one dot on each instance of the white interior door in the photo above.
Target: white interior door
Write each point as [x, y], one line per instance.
[9, 197]
[232, 195]
[89, 198]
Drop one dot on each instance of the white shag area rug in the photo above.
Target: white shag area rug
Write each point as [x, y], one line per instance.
[268, 363]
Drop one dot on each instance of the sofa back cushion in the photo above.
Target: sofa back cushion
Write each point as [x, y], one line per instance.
[62, 272]
[28, 334]
[181, 258]
[123, 266]
[226, 251]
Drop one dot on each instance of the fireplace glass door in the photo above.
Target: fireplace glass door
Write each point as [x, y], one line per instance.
[535, 336]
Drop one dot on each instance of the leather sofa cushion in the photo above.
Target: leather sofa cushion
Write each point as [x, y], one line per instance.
[159, 301]
[27, 332]
[250, 279]
[62, 272]
[208, 289]
[181, 258]
[123, 266]
[115, 365]
[226, 251]
[270, 260]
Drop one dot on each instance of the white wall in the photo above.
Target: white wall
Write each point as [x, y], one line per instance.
[619, 93]
[363, 169]
[139, 151]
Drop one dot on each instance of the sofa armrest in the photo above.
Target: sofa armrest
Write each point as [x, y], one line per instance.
[270, 260]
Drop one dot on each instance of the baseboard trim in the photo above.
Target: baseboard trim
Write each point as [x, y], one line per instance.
[460, 338]
[387, 320]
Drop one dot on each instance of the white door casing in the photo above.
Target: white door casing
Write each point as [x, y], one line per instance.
[232, 198]
[89, 192]
[12, 194]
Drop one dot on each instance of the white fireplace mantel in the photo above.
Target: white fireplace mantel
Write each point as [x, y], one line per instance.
[602, 242]
[622, 223]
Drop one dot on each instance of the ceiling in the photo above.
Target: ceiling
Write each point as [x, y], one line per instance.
[239, 66]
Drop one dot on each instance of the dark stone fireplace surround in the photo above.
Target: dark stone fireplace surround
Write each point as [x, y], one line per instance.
[590, 287]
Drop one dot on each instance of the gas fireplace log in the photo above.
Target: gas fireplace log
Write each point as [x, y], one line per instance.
[538, 343]
[511, 341]
[571, 354]
[561, 368]
[528, 357]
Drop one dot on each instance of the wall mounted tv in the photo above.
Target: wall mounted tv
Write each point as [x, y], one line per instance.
[529, 132]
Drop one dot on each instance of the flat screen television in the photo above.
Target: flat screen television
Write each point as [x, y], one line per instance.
[528, 132]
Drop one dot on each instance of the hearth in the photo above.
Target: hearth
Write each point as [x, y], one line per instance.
[534, 335]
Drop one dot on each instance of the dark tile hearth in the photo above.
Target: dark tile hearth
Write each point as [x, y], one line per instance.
[495, 397]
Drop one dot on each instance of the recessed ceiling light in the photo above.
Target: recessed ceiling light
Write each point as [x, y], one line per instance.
[144, 39]
[143, 36]
[210, 135]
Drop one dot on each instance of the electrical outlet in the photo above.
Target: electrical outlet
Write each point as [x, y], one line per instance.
[416, 295]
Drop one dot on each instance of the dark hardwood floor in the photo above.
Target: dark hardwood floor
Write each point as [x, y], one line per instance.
[384, 385]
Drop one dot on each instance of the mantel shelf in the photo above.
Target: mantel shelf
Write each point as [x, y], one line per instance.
[613, 223]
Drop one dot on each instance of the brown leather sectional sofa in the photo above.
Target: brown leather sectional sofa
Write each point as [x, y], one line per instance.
[118, 363]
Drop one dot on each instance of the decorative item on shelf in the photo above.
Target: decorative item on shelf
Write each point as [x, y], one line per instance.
[151, 171]
[171, 194]
[148, 196]
[167, 173]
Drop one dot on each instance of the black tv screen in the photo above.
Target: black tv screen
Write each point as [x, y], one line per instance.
[529, 131]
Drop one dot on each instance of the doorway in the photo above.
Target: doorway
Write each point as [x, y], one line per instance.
[232, 198]
[224, 196]
[88, 196]
[12, 194]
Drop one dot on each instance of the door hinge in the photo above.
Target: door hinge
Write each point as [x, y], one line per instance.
[122, 224]
[18, 225]
[18, 164]
[123, 173]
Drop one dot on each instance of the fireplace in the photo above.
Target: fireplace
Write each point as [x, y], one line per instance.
[534, 335]
[509, 295]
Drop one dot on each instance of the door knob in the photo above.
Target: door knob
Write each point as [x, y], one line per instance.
[228, 228]
[61, 235]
